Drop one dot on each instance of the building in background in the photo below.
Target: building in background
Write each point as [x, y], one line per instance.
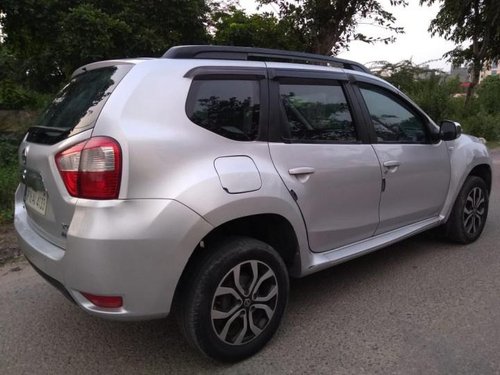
[491, 70]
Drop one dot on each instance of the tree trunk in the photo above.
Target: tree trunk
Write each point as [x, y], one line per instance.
[476, 71]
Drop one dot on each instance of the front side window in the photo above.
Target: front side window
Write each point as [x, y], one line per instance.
[316, 114]
[393, 122]
[230, 107]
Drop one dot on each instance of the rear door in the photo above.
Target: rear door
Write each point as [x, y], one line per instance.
[320, 150]
[69, 119]
[415, 169]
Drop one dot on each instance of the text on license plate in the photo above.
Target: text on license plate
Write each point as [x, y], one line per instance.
[37, 200]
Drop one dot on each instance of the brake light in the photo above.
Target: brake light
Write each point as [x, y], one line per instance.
[92, 169]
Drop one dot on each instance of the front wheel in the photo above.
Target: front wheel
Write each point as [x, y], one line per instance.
[469, 213]
[235, 300]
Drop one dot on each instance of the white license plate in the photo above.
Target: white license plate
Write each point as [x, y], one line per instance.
[36, 200]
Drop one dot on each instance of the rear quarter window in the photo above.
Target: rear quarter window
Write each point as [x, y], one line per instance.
[227, 107]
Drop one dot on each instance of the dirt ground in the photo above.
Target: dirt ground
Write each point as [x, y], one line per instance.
[8, 243]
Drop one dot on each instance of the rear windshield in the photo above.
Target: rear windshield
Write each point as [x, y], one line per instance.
[78, 104]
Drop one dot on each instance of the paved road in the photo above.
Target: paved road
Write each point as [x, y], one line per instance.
[419, 307]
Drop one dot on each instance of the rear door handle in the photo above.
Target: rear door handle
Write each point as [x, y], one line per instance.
[391, 165]
[301, 170]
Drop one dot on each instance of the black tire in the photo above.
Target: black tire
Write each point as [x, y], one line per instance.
[469, 213]
[200, 311]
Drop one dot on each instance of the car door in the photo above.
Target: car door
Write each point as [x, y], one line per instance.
[415, 169]
[321, 151]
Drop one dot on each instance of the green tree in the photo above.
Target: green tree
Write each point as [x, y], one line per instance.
[326, 26]
[473, 23]
[234, 27]
[53, 37]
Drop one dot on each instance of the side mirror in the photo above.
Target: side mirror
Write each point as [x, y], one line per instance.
[449, 130]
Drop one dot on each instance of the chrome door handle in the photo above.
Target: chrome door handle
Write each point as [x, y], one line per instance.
[391, 165]
[301, 170]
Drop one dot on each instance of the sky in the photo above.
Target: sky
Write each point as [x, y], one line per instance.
[416, 43]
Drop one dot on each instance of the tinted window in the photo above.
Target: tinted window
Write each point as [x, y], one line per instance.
[226, 107]
[78, 104]
[393, 122]
[316, 113]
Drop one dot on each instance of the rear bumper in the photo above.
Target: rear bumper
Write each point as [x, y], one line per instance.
[136, 249]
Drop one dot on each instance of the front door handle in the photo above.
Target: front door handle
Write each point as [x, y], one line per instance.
[301, 170]
[391, 165]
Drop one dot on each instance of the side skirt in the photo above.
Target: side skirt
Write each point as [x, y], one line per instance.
[315, 262]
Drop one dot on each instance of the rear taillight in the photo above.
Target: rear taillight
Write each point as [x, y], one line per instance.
[92, 169]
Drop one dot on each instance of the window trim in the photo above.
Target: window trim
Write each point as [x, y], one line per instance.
[224, 73]
[298, 77]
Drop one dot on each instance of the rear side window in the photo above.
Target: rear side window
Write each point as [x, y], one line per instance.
[316, 114]
[77, 106]
[230, 108]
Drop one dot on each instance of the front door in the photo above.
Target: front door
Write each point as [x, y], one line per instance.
[415, 170]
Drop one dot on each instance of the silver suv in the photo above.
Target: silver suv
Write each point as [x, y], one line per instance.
[199, 182]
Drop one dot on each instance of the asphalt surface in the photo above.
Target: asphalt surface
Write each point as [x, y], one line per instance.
[423, 306]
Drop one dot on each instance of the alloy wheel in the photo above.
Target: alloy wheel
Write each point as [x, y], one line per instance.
[474, 210]
[244, 302]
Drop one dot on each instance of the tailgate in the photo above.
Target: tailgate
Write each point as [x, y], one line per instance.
[68, 120]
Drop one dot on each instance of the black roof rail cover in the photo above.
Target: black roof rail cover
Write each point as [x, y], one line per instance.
[259, 54]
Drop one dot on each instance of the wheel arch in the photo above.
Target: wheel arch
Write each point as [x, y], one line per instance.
[468, 157]
[273, 229]
[482, 171]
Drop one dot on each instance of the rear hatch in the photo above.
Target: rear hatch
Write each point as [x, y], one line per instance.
[68, 120]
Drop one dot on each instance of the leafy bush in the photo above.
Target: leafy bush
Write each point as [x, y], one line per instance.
[483, 125]
[8, 175]
[474, 118]
[489, 95]
[13, 96]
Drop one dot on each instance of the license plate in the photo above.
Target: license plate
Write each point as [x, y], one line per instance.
[36, 200]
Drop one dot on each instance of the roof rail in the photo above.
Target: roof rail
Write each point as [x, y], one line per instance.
[259, 54]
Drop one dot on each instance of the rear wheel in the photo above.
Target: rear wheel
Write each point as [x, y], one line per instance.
[235, 300]
[469, 213]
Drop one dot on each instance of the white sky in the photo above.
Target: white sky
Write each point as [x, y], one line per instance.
[416, 43]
